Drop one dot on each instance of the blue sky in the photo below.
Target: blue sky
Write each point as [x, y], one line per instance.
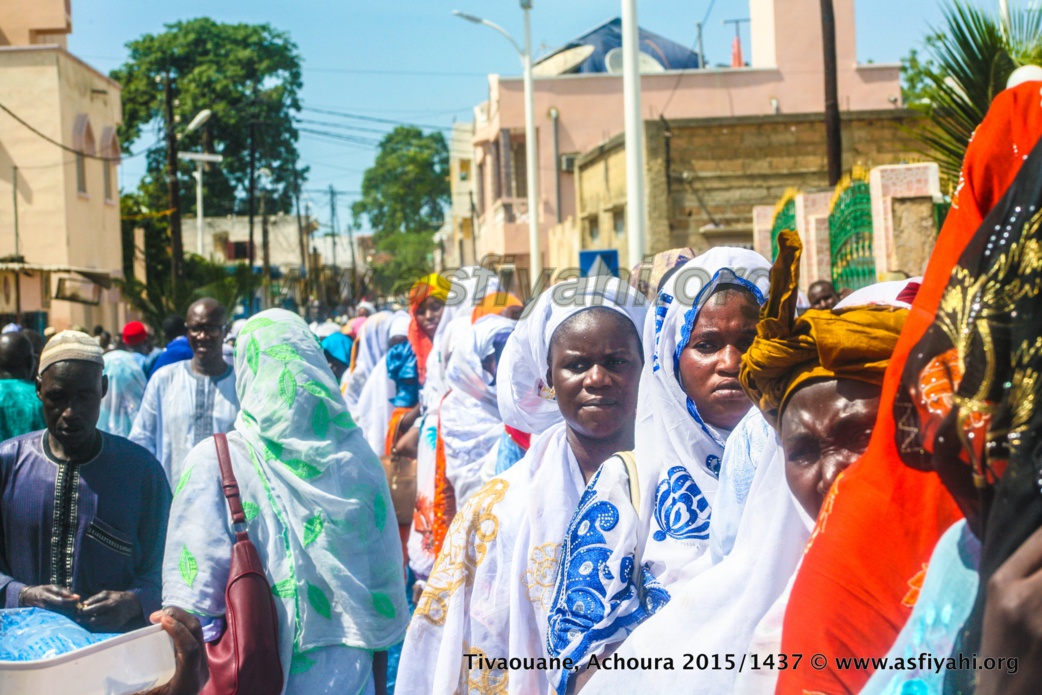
[411, 60]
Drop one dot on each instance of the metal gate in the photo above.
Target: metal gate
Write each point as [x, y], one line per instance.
[850, 233]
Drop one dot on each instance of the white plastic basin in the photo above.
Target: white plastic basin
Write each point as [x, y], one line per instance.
[121, 665]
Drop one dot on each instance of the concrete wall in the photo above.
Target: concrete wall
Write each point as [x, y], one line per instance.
[34, 22]
[719, 169]
[52, 90]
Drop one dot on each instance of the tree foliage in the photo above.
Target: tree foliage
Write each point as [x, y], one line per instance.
[243, 73]
[969, 63]
[404, 194]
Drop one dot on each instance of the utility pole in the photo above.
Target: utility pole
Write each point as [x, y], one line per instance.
[265, 248]
[176, 248]
[253, 182]
[17, 250]
[833, 127]
[300, 238]
[332, 236]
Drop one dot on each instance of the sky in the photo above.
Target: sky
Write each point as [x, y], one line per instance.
[412, 61]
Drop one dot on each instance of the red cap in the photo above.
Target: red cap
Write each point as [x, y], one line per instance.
[134, 333]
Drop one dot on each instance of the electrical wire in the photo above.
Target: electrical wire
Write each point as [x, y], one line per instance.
[54, 142]
[374, 119]
[701, 61]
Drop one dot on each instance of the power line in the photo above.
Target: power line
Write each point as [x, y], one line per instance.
[404, 73]
[343, 126]
[54, 142]
[374, 119]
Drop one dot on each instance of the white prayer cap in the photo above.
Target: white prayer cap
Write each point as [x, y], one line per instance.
[71, 345]
[400, 325]
[366, 305]
[11, 328]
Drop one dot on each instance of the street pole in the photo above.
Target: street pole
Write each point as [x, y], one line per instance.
[332, 236]
[199, 208]
[265, 248]
[200, 159]
[635, 204]
[300, 238]
[17, 250]
[253, 181]
[833, 127]
[701, 50]
[176, 247]
[535, 262]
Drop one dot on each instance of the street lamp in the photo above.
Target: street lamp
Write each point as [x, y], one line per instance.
[200, 158]
[531, 152]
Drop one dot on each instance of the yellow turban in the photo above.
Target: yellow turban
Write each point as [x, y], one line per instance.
[854, 343]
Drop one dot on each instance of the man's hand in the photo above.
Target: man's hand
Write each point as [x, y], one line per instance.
[192, 668]
[109, 611]
[1013, 622]
[51, 597]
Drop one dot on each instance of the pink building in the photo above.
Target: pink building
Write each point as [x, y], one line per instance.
[576, 112]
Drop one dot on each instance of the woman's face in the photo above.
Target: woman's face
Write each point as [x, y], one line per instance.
[825, 427]
[428, 315]
[723, 331]
[595, 363]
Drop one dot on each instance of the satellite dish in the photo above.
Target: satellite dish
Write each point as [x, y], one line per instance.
[563, 62]
[1025, 73]
[645, 63]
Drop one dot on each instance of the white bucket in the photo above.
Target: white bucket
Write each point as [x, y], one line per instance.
[122, 665]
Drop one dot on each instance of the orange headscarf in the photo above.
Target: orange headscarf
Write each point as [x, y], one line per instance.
[866, 561]
[432, 285]
[494, 303]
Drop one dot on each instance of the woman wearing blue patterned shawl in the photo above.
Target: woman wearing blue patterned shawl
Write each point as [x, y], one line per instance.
[569, 375]
[634, 537]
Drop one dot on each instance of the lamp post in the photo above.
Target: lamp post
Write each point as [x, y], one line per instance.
[531, 151]
[200, 159]
[636, 219]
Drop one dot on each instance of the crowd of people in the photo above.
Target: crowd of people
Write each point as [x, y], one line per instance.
[619, 487]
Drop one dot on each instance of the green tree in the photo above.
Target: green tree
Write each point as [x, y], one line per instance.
[404, 195]
[247, 75]
[969, 63]
[915, 68]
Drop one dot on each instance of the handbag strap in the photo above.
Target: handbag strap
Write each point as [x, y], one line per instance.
[228, 482]
[630, 462]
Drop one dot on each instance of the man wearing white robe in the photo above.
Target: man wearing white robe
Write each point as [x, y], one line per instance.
[188, 401]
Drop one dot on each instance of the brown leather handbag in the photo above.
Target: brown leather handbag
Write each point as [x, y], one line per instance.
[401, 475]
[245, 659]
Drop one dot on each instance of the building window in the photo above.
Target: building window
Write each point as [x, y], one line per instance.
[84, 144]
[618, 221]
[110, 150]
[81, 174]
[464, 170]
[593, 228]
[106, 170]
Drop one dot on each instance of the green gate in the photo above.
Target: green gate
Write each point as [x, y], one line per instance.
[850, 233]
[784, 218]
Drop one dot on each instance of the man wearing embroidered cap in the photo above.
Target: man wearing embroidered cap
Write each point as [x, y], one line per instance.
[83, 514]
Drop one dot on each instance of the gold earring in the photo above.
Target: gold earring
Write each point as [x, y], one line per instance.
[553, 394]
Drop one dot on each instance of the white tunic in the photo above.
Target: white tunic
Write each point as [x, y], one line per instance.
[180, 409]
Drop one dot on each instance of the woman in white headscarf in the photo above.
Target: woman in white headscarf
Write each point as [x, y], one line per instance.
[467, 287]
[371, 343]
[569, 374]
[470, 421]
[373, 410]
[317, 508]
[642, 527]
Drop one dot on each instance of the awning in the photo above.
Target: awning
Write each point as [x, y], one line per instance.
[98, 277]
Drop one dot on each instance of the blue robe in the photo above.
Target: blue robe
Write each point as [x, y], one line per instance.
[90, 527]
